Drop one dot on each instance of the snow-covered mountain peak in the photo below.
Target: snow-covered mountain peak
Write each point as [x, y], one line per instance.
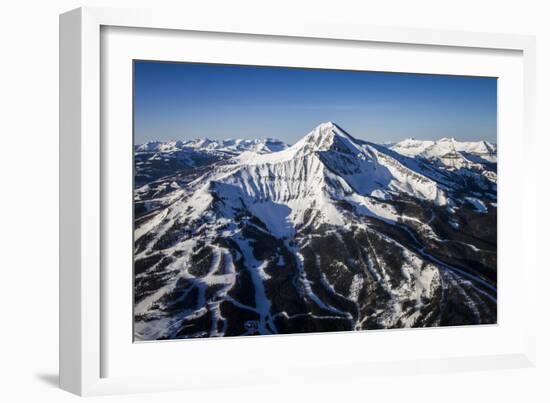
[324, 167]
[327, 126]
[324, 131]
[324, 137]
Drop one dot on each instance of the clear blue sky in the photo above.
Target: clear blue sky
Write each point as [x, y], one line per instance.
[186, 100]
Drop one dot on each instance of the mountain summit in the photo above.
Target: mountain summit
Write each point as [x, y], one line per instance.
[323, 135]
[332, 233]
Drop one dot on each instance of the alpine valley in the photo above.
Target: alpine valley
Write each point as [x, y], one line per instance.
[248, 237]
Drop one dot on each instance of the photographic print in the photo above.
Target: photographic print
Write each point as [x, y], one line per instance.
[275, 200]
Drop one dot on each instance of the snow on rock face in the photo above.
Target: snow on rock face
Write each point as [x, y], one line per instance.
[478, 204]
[328, 148]
[325, 167]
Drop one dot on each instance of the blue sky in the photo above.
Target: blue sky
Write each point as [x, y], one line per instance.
[187, 100]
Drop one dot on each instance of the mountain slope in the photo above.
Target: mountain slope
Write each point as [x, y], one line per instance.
[156, 159]
[333, 233]
[478, 157]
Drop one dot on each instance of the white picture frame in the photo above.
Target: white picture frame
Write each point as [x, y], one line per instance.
[88, 333]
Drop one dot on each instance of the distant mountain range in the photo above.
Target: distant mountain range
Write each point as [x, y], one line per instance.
[155, 159]
[228, 146]
[244, 237]
[450, 153]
